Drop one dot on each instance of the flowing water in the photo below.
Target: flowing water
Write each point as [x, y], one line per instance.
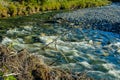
[72, 40]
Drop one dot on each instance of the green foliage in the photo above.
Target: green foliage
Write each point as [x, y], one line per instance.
[51, 5]
[10, 78]
[25, 7]
[12, 9]
[1, 73]
[5, 70]
[3, 11]
[20, 9]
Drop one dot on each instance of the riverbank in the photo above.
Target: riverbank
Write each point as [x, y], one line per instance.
[104, 18]
[15, 8]
[25, 66]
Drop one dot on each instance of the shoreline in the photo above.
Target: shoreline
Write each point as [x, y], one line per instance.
[15, 8]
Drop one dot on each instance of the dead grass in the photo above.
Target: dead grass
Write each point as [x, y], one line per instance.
[26, 66]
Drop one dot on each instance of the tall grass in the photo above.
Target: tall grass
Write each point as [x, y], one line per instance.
[16, 7]
[71, 4]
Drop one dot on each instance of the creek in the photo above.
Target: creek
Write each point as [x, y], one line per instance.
[84, 40]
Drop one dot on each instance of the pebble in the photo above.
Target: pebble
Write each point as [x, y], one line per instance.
[103, 18]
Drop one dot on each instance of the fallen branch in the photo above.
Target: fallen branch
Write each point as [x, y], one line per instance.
[11, 74]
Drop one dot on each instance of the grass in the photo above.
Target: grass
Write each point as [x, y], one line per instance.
[13, 8]
[25, 66]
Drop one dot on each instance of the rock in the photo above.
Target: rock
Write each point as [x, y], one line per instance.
[32, 39]
[118, 51]
[28, 28]
[28, 39]
[96, 18]
[108, 66]
[42, 34]
[105, 54]
[12, 32]
[6, 41]
[18, 47]
[86, 64]
[115, 73]
[48, 39]
[98, 43]
[20, 40]
[91, 42]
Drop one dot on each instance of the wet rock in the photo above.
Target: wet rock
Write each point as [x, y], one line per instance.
[32, 39]
[115, 73]
[18, 47]
[28, 28]
[108, 66]
[17, 32]
[20, 40]
[118, 51]
[6, 41]
[86, 64]
[91, 42]
[28, 39]
[48, 39]
[96, 18]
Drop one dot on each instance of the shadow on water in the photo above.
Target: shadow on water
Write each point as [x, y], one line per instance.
[95, 24]
[103, 25]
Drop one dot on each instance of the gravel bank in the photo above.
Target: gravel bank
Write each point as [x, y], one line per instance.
[103, 18]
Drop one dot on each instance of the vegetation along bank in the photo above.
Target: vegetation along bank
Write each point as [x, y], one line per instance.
[10, 8]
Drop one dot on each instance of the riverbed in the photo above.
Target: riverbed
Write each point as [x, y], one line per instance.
[84, 40]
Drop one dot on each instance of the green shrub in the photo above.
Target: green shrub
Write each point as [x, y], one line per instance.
[3, 11]
[25, 7]
[12, 9]
[10, 78]
[37, 8]
[20, 9]
[50, 5]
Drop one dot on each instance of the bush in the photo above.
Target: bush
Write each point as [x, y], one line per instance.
[50, 5]
[12, 9]
[25, 7]
[3, 11]
[20, 9]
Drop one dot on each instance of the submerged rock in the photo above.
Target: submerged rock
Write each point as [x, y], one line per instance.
[6, 41]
